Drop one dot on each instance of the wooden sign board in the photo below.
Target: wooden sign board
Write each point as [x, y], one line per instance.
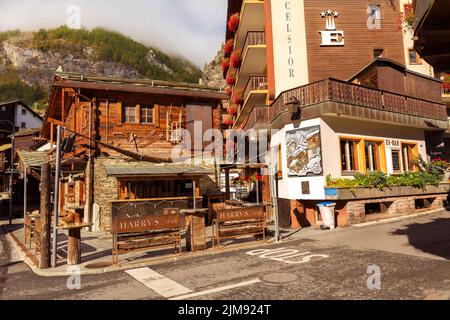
[146, 223]
[240, 213]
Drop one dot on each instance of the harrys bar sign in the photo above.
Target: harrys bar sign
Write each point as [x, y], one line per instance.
[240, 213]
[146, 223]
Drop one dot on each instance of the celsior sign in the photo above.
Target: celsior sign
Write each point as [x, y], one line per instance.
[331, 37]
[289, 44]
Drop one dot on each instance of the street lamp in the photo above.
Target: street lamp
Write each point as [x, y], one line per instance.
[12, 169]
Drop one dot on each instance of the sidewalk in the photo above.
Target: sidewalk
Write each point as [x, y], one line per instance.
[96, 255]
[96, 247]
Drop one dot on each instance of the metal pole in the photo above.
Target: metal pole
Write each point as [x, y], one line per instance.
[194, 194]
[257, 191]
[56, 194]
[25, 183]
[11, 177]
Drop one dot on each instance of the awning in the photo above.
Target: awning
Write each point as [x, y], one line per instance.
[5, 147]
[33, 158]
[149, 169]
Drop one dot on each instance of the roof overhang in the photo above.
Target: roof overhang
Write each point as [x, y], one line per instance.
[150, 170]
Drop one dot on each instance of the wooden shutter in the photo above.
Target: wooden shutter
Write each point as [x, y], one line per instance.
[119, 112]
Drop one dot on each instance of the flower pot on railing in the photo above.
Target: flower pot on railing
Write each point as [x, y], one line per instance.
[233, 22]
[225, 64]
[227, 119]
[228, 48]
[238, 97]
[236, 59]
[231, 78]
[232, 109]
[228, 90]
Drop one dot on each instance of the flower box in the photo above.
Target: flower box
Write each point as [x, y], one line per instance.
[233, 22]
[236, 59]
[228, 48]
[238, 97]
[227, 119]
[232, 109]
[231, 78]
[225, 64]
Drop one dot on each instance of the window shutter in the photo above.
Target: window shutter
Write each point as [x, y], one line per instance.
[137, 117]
[119, 112]
[156, 115]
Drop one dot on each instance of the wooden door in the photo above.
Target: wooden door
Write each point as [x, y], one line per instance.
[203, 115]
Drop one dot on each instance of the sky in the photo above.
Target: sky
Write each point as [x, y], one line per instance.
[193, 29]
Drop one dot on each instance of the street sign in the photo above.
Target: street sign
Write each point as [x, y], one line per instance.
[9, 171]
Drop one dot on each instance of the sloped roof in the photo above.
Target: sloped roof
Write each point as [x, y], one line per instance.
[5, 147]
[33, 158]
[149, 169]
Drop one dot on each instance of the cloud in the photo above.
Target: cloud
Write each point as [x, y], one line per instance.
[193, 29]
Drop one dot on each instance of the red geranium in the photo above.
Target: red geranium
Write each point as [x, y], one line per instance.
[228, 48]
[225, 64]
[233, 22]
[235, 59]
[231, 78]
[232, 109]
[227, 119]
[228, 90]
[238, 97]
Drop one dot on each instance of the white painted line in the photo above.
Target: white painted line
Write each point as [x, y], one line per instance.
[158, 283]
[201, 293]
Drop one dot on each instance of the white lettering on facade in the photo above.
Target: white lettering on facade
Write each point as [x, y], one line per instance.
[288, 20]
[331, 37]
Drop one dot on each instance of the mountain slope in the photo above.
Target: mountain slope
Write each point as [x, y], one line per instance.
[28, 60]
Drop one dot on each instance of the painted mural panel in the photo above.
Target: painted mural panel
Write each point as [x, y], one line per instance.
[303, 152]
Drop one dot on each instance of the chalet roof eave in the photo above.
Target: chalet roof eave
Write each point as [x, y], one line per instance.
[197, 93]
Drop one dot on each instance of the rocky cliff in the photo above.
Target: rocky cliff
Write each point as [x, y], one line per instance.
[213, 74]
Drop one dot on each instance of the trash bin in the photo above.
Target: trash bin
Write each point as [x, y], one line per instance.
[327, 213]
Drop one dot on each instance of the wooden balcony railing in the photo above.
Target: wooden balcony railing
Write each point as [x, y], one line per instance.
[259, 114]
[353, 94]
[255, 83]
[255, 38]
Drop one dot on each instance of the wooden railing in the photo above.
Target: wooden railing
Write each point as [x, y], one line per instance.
[259, 114]
[353, 94]
[255, 38]
[255, 83]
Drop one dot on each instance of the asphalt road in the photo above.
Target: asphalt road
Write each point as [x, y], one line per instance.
[374, 262]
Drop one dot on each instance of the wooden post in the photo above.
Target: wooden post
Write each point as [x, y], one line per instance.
[25, 183]
[45, 213]
[227, 184]
[74, 246]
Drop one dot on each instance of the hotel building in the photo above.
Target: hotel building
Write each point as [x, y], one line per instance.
[342, 91]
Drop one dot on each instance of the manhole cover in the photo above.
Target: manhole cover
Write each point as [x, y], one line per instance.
[98, 265]
[6, 279]
[280, 277]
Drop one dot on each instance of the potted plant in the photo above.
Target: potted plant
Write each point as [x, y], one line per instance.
[231, 78]
[228, 48]
[227, 119]
[233, 22]
[232, 109]
[225, 64]
[228, 90]
[238, 97]
[236, 59]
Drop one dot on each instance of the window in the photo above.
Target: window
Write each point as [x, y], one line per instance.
[24, 112]
[280, 162]
[409, 156]
[146, 114]
[4, 108]
[349, 155]
[175, 132]
[372, 152]
[23, 125]
[396, 161]
[414, 57]
[129, 114]
[377, 53]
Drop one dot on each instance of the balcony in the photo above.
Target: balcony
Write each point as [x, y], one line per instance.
[445, 91]
[339, 98]
[254, 57]
[258, 118]
[255, 94]
[252, 18]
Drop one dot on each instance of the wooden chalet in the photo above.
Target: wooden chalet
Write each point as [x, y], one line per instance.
[118, 139]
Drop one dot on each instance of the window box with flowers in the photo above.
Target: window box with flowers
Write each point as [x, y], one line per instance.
[231, 78]
[233, 22]
[238, 97]
[227, 119]
[232, 109]
[236, 59]
[225, 65]
[228, 48]
[228, 90]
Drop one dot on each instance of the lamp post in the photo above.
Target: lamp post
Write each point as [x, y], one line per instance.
[12, 169]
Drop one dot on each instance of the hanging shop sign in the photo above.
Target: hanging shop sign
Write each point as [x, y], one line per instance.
[392, 143]
[331, 36]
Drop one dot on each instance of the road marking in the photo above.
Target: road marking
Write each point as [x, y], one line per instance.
[284, 255]
[201, 293]
[158, 283]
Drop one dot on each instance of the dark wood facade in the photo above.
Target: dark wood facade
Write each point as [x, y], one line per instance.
[342, 62]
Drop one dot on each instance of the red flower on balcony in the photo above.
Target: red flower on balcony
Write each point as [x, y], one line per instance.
[225, 64]
[236, 58]
[227, 119]
[232, 109]
[228, 48]
[228, 90]
[233, 22]
[238, 97]
[231, 78]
